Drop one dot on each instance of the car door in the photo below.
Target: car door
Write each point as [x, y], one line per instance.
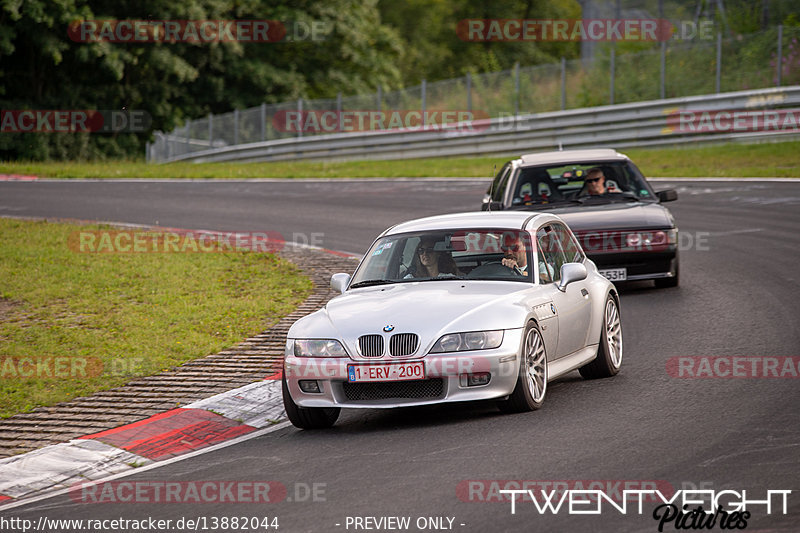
[573, 306]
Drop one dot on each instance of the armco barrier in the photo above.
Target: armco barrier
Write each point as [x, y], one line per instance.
[639, 124]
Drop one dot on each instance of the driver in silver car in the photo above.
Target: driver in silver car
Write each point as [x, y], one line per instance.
[515, 253]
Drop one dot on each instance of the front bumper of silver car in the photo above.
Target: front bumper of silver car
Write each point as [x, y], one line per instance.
[449, 377]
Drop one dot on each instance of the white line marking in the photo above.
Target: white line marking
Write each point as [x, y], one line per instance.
[781, 180]
[256, 180]
[735, 232]
[352, 180]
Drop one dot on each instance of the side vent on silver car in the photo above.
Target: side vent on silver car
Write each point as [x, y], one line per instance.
[403, 344]
[371, 345]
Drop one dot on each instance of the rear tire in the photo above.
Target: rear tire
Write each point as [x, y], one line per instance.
[609, 352]
[308, 417]
[531, 387]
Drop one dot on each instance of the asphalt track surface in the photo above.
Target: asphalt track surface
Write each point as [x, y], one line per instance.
[739, 296]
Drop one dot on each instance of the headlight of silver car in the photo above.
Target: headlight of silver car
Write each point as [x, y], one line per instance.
[319, 348]
[470, 340]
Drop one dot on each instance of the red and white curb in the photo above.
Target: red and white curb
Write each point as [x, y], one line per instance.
[161, 437]
[17, 177]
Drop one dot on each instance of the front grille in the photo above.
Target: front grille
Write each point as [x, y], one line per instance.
[403, 344]
[371, 345]
[424, 388]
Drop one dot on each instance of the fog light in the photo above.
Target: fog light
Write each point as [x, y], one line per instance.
[475, 380]
[309, 385]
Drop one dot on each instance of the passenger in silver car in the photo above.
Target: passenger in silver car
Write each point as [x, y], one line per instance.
[428, 262]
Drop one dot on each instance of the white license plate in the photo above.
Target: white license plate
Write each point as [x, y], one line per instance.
[391, 372]
[615, 274]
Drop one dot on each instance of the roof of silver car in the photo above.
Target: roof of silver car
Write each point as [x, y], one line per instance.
[472, 220]
[572, 156]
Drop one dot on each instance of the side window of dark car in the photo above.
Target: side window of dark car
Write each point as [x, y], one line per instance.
[498, 188]
[569, 244]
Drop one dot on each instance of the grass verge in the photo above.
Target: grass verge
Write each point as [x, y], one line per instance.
[730, 160]
[74, 323]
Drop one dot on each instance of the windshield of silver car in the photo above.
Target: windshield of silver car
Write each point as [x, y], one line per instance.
[481, 254]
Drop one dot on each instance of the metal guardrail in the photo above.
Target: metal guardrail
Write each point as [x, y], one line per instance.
[639, 124]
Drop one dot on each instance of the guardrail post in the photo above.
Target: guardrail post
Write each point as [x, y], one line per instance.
[379, 96]
[469, 92]
[424, 95]
[516, 89]
[719, 61]
[612, 74]
[210, 130]
[263, 122]
[235, 127]
[147, 151]
[338, 105]
[563, 83]
[187, 145]
[779, 64]
[663, 78]
[300, 114]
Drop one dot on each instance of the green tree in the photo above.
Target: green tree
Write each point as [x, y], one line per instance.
[43, 69]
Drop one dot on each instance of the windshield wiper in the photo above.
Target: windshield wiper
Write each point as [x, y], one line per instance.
[612, 197]
[440, 277]
[556, 203]
[371, 282]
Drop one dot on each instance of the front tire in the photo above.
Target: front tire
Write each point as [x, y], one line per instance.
[308, 417]
[609, 352]
[531, 387]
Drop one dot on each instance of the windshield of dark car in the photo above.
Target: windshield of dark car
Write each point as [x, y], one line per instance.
[567, 184]
[446, 255]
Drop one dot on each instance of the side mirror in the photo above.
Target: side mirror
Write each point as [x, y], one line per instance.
[571, 272]
[340, 281]
[668, 195]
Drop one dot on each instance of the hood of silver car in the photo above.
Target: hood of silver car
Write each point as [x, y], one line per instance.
[429, 309]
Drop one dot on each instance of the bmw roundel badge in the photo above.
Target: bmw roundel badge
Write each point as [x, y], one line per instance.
[388, 327]
[553, 308]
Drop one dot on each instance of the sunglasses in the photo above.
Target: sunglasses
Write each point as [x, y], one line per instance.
[421, 251]
[592, 180]
[513, 248]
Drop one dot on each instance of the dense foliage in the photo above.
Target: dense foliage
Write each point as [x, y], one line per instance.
[368, 44]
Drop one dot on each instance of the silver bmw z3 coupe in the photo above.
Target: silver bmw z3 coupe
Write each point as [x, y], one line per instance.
[451, 308]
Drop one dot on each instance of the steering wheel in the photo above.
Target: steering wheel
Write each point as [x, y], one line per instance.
[493, 269]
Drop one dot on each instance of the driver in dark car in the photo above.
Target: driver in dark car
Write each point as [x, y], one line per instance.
[595, 182]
